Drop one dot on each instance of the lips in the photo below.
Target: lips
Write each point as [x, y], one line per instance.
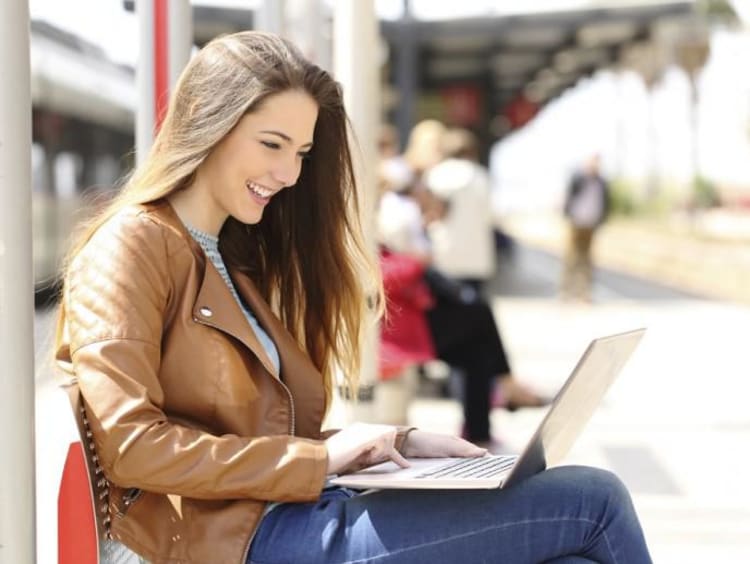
[258, 194]
[260, 191]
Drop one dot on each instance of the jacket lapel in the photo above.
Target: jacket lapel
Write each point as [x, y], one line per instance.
[214, 303]
[215, 306]
[297, 370]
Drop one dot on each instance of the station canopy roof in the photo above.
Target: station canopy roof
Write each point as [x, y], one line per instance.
[530, 48]
[539, 48]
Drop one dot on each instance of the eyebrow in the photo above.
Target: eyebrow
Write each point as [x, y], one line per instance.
[284, 136]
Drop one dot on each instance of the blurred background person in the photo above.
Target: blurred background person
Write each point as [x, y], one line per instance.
[462, 237]
[405, 338]
[587, 203]
[424, 146]
[400, 225]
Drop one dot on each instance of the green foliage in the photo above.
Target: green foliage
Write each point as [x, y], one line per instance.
[628, 199]
[622, 200]
[704, 194]
[720, 10]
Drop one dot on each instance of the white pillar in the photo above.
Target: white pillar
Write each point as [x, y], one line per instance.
[145, 114]
[356, 67]
[17, 514]
[180, 38]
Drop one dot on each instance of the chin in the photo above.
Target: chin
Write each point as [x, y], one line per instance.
[249, 218]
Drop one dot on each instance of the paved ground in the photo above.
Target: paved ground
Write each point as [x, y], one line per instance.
[675, 426]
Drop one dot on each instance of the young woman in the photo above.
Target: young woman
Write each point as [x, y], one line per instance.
[202, 317]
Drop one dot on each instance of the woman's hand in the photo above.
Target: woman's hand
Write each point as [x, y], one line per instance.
[361, 445]
[422, 444]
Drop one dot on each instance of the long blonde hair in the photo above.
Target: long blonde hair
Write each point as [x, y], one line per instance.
[307, 256]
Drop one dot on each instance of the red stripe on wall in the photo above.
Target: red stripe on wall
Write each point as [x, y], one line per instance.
[161, 60]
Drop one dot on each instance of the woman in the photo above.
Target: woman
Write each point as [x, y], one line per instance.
[202, 317]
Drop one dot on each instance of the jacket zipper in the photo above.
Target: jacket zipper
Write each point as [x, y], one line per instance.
[130, 496]
[292, 421]
[291, 432]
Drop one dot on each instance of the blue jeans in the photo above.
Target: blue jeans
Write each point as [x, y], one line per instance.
[569, 514]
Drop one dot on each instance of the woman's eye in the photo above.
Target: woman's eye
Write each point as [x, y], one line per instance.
[304, 155]
[271, 144]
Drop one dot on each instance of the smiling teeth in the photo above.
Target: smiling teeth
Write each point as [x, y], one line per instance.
[259, 190]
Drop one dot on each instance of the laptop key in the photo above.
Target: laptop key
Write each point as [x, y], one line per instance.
[484, 467]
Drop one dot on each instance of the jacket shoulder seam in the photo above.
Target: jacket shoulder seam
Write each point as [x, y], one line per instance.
[164, 229]
[112, 338]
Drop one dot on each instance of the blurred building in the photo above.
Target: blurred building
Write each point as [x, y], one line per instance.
[83, 108]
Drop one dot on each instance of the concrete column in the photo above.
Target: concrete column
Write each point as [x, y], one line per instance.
[17, 514]
[355, 65]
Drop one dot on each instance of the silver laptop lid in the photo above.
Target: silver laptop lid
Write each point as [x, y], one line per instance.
[576, 402]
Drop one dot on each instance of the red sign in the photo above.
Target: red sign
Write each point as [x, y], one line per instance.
[463, 104]
[520, 111]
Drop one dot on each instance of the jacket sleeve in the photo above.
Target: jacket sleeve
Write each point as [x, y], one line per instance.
[117, 296]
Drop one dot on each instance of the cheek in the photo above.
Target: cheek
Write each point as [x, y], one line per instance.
[298, 171]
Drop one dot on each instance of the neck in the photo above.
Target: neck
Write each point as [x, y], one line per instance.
[192, 211]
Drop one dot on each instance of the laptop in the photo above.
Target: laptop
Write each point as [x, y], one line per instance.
[566, 417]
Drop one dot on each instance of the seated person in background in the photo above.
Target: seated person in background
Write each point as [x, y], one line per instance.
[461, 323]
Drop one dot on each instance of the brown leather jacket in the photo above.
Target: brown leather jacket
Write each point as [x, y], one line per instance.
[193, 430]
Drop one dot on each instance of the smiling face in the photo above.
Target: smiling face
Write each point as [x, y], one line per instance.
[262, 155]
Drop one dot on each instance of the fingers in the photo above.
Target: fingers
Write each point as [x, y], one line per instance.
[385, 449]
[363, 445]
[398, 459]
[436, 445]
[465, 448]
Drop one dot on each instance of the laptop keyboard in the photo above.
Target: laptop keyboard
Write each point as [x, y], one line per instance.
[484, 467]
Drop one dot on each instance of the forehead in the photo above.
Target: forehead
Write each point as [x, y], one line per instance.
[292, 113]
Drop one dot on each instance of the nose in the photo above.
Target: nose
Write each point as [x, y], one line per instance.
[287, 170]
